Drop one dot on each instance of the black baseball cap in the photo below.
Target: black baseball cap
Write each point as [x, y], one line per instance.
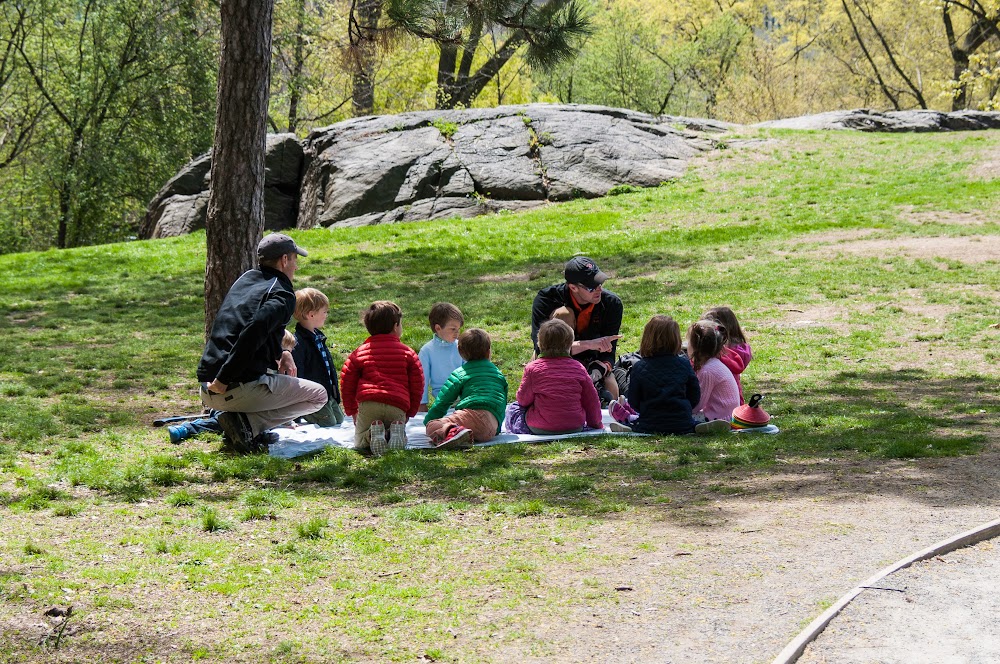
[584, 271]
[277, 245]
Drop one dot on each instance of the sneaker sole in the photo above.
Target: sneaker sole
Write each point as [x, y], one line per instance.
[715, 426]
[619, 428]
[461, 441]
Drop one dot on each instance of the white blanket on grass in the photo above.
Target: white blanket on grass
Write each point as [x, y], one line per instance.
[308, 438]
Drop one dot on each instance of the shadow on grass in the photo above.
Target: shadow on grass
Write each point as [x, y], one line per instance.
[862, 421]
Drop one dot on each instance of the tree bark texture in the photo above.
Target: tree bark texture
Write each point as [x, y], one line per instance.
[236, 199]
[365, 52]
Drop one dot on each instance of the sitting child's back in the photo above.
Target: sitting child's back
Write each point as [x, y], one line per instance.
[662, 385]
[720, 394]
[556, 392]
[479, 391]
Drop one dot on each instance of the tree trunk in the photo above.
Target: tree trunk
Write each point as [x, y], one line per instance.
[464, 90]
[236, 198]
[298, 65]
[198, 83]
[446, 76]
[363, 75]
[962, 48]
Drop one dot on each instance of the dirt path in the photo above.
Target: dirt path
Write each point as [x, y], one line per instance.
[733, 579]
[939, 610]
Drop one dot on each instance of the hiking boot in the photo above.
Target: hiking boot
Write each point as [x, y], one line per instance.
[619, 428]
[457, 438]
[397, 436]
[605, 396]
[377, 432]
[178, 433]
[236, 431]
[712, 426]
[261, 443]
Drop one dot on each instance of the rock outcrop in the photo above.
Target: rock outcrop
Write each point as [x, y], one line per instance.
[181, 205]
[892, 121]
[437, 164]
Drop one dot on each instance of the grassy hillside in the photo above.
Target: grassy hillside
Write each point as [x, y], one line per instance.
[865, 269]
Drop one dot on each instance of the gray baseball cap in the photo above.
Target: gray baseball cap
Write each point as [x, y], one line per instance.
[277, 245]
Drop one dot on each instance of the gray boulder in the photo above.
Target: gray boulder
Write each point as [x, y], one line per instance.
[434, 164]
[863, 119]
[182, 204]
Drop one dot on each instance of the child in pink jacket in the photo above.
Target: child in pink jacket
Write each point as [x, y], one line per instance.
[556, 392]
[736, 353]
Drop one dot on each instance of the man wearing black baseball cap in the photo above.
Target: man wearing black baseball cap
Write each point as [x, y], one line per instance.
[598, 316]
[243, 371]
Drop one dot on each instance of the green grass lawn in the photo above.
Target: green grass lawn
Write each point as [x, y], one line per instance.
[863, 267]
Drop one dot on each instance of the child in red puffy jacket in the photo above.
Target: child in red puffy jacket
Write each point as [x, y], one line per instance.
[381, 382]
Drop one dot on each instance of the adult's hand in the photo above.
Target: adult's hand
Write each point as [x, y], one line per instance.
[215, 387]
[601, 344]
[286, 365]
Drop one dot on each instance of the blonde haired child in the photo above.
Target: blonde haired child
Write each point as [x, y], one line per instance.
[312, 357]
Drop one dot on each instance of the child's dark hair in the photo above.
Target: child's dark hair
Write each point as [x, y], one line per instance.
[661, 336]
[381, 317]
[705, 341]
[555, 338]
[474, 344]
[442, 312]
[725, 317]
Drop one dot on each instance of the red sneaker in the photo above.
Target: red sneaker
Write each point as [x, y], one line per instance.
[457, 438]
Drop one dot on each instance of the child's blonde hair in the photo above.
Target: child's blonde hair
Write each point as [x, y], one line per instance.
[288, 341]
[381, 317]
[705, 341]
[442, 312]
[555, 338]
[566, 315]
[474, 344]
[308, 300]
[725, 317]
[661, 336]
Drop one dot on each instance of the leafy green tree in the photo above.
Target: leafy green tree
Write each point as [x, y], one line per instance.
[546, 31]
[978, 26]
[112, 125]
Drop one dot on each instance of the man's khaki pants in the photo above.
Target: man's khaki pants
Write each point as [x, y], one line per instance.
[271, 401]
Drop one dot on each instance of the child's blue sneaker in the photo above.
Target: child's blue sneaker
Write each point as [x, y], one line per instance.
[178, 433]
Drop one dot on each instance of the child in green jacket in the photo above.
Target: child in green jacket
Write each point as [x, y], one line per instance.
[480, 391]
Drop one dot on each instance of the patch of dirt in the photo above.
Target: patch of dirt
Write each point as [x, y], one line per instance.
[938, 610]
[832, 237]
[909, 213]
[825, 316]
[516, 276]
[732, 578]
[987, 167]
[967, 249]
